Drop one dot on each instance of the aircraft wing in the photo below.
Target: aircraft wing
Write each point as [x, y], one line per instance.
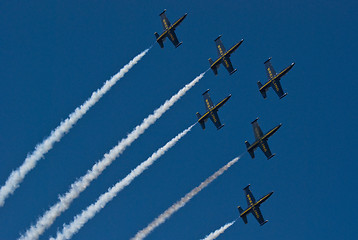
[265, 148]
[165, 20]
[215, 119]
[276, 85]
[257, 130]
[173, 37]
[208, 103]
[270, 71]
[227, 63]
[220, 46]
[249, 196]
[258, 215]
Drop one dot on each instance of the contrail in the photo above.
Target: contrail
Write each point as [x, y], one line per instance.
[18, 175]
[81, 184]
[181, 203]
[81, 219]
[218, 232]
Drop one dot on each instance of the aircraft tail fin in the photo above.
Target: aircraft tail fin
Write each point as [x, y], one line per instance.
[160, 42]
[202, 123]
[244, 217]
[262, 91]
[251, 151]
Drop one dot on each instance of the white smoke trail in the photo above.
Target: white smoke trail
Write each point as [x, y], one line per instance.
[81, 184]
[218, 232]
[18, 175]
[69, 230]
[181, 203]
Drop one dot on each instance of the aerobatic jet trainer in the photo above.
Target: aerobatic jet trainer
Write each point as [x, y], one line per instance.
[224, 57]
[253, 206]
[169, 30]
[273, 79]
[261, 140]
[212, 111]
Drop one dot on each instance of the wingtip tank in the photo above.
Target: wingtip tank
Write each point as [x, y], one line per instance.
[233, 71]
[206, 92]
[263, 223]
[163, 12]
[218, 37]
[221, 127]
[284, 95]
[247, 186]
[255, 120]
[268, 60]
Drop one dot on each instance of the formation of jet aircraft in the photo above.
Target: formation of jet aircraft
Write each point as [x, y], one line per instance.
[260, 138]
[212, 111]
[253, 206]
[169, 30]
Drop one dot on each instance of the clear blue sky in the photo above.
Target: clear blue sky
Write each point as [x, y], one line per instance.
[54, 54]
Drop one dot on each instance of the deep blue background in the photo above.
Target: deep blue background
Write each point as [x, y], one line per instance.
[54, 54]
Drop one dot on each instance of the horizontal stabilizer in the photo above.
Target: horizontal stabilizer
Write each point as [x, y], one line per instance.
[233, 71]
[240, 209]
[248, 145]
[178, 44]
[271, 156]
[262, 91]
[244, 217]
[211, 61]
[160, 42]
[214, 68]
[202, 123]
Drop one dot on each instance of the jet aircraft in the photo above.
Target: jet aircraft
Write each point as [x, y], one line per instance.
[224, 57]
[169, 30]
[261, 140]
[253, 206]
[211, 111]
[273, 79]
